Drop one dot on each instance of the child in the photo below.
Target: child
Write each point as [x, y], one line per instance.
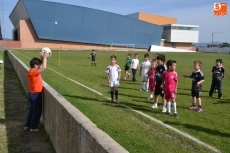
[135, 65]
[150, 78]
[158, 79]
[93, 57]
[217, 76]
[145, 65]
[197, 78]
[170, 83]
[127, 66]
[113, 75]
[35, 92]
[221, 65]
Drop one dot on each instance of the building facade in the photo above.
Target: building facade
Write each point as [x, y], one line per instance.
[38, 22]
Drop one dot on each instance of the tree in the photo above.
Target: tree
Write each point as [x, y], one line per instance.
[225, 44]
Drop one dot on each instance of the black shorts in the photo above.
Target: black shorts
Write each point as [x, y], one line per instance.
[196, 93]
[126, 68]
[158, 89]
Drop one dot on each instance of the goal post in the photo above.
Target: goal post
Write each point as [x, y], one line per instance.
[121, 47]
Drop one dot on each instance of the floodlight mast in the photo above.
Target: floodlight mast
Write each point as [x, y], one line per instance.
[213, 33]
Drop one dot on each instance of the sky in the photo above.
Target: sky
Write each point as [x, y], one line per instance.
[190, 12]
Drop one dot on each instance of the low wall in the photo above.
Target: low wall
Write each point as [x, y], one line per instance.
[11, 43]
[69, 130]
[155, 48]
[214, 50]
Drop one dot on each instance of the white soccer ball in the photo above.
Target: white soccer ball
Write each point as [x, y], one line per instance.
[45, 50]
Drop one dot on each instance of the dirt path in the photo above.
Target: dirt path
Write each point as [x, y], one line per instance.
[13, 112]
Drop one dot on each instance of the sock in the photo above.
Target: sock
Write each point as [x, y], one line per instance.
[151, 96]
[169, 106]
[199, 106]
[112, 94]
[143, 85]
[174, 107]
[94, 64]
[194, 104]
[146, 85]
[116, 94]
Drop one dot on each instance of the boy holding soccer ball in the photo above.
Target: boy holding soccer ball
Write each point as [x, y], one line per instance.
[113, 76]
[35, 91]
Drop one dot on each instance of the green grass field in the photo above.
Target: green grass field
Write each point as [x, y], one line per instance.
[133, 131]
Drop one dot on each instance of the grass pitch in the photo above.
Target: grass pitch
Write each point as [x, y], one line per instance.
[134, 132]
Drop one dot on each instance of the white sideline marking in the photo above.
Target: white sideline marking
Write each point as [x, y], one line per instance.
[143, 114]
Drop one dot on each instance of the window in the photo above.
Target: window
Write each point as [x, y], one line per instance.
[180, 28]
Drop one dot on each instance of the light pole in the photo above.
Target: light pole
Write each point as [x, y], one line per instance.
[213, 33]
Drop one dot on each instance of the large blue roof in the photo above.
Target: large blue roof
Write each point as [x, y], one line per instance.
[56, 21]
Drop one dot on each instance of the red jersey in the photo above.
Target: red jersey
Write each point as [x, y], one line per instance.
[151, 75]
[170, 79]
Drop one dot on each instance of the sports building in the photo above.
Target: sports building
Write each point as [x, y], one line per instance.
[41, 23]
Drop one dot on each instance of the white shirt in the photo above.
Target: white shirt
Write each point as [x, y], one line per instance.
[113, 70]
[135, 63]
[145, 67]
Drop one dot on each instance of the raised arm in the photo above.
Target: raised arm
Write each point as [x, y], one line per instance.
[44, 63]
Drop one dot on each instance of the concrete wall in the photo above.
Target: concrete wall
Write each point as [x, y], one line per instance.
[167, 49]
[69, 130]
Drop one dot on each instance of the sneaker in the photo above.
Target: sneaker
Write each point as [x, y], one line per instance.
[129, 75]
[142, 89]
[26, 128]
[220, 98]
[34, 130]
[116, 102]
[209, 97]
[147, 90]
[164, 110]
[112, 101]
[192, 107]
[154, 106]
[199, 110]
[176, 115]
[168, 113]
[149, 98]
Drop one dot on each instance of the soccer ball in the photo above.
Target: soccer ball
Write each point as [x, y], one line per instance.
[45, 50]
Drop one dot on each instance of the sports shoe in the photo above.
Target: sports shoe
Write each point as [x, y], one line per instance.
[176, 115]
[209, 97]
[116, 102]
[112, 101]
[149, 98]
[129, 75]
[147, 90]
[154, 106]
[168, 113]
[199, 110]
[192, 107]
[220, 98]
[26, 128]
[164, 110]
[142, 89]
[34, 130]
